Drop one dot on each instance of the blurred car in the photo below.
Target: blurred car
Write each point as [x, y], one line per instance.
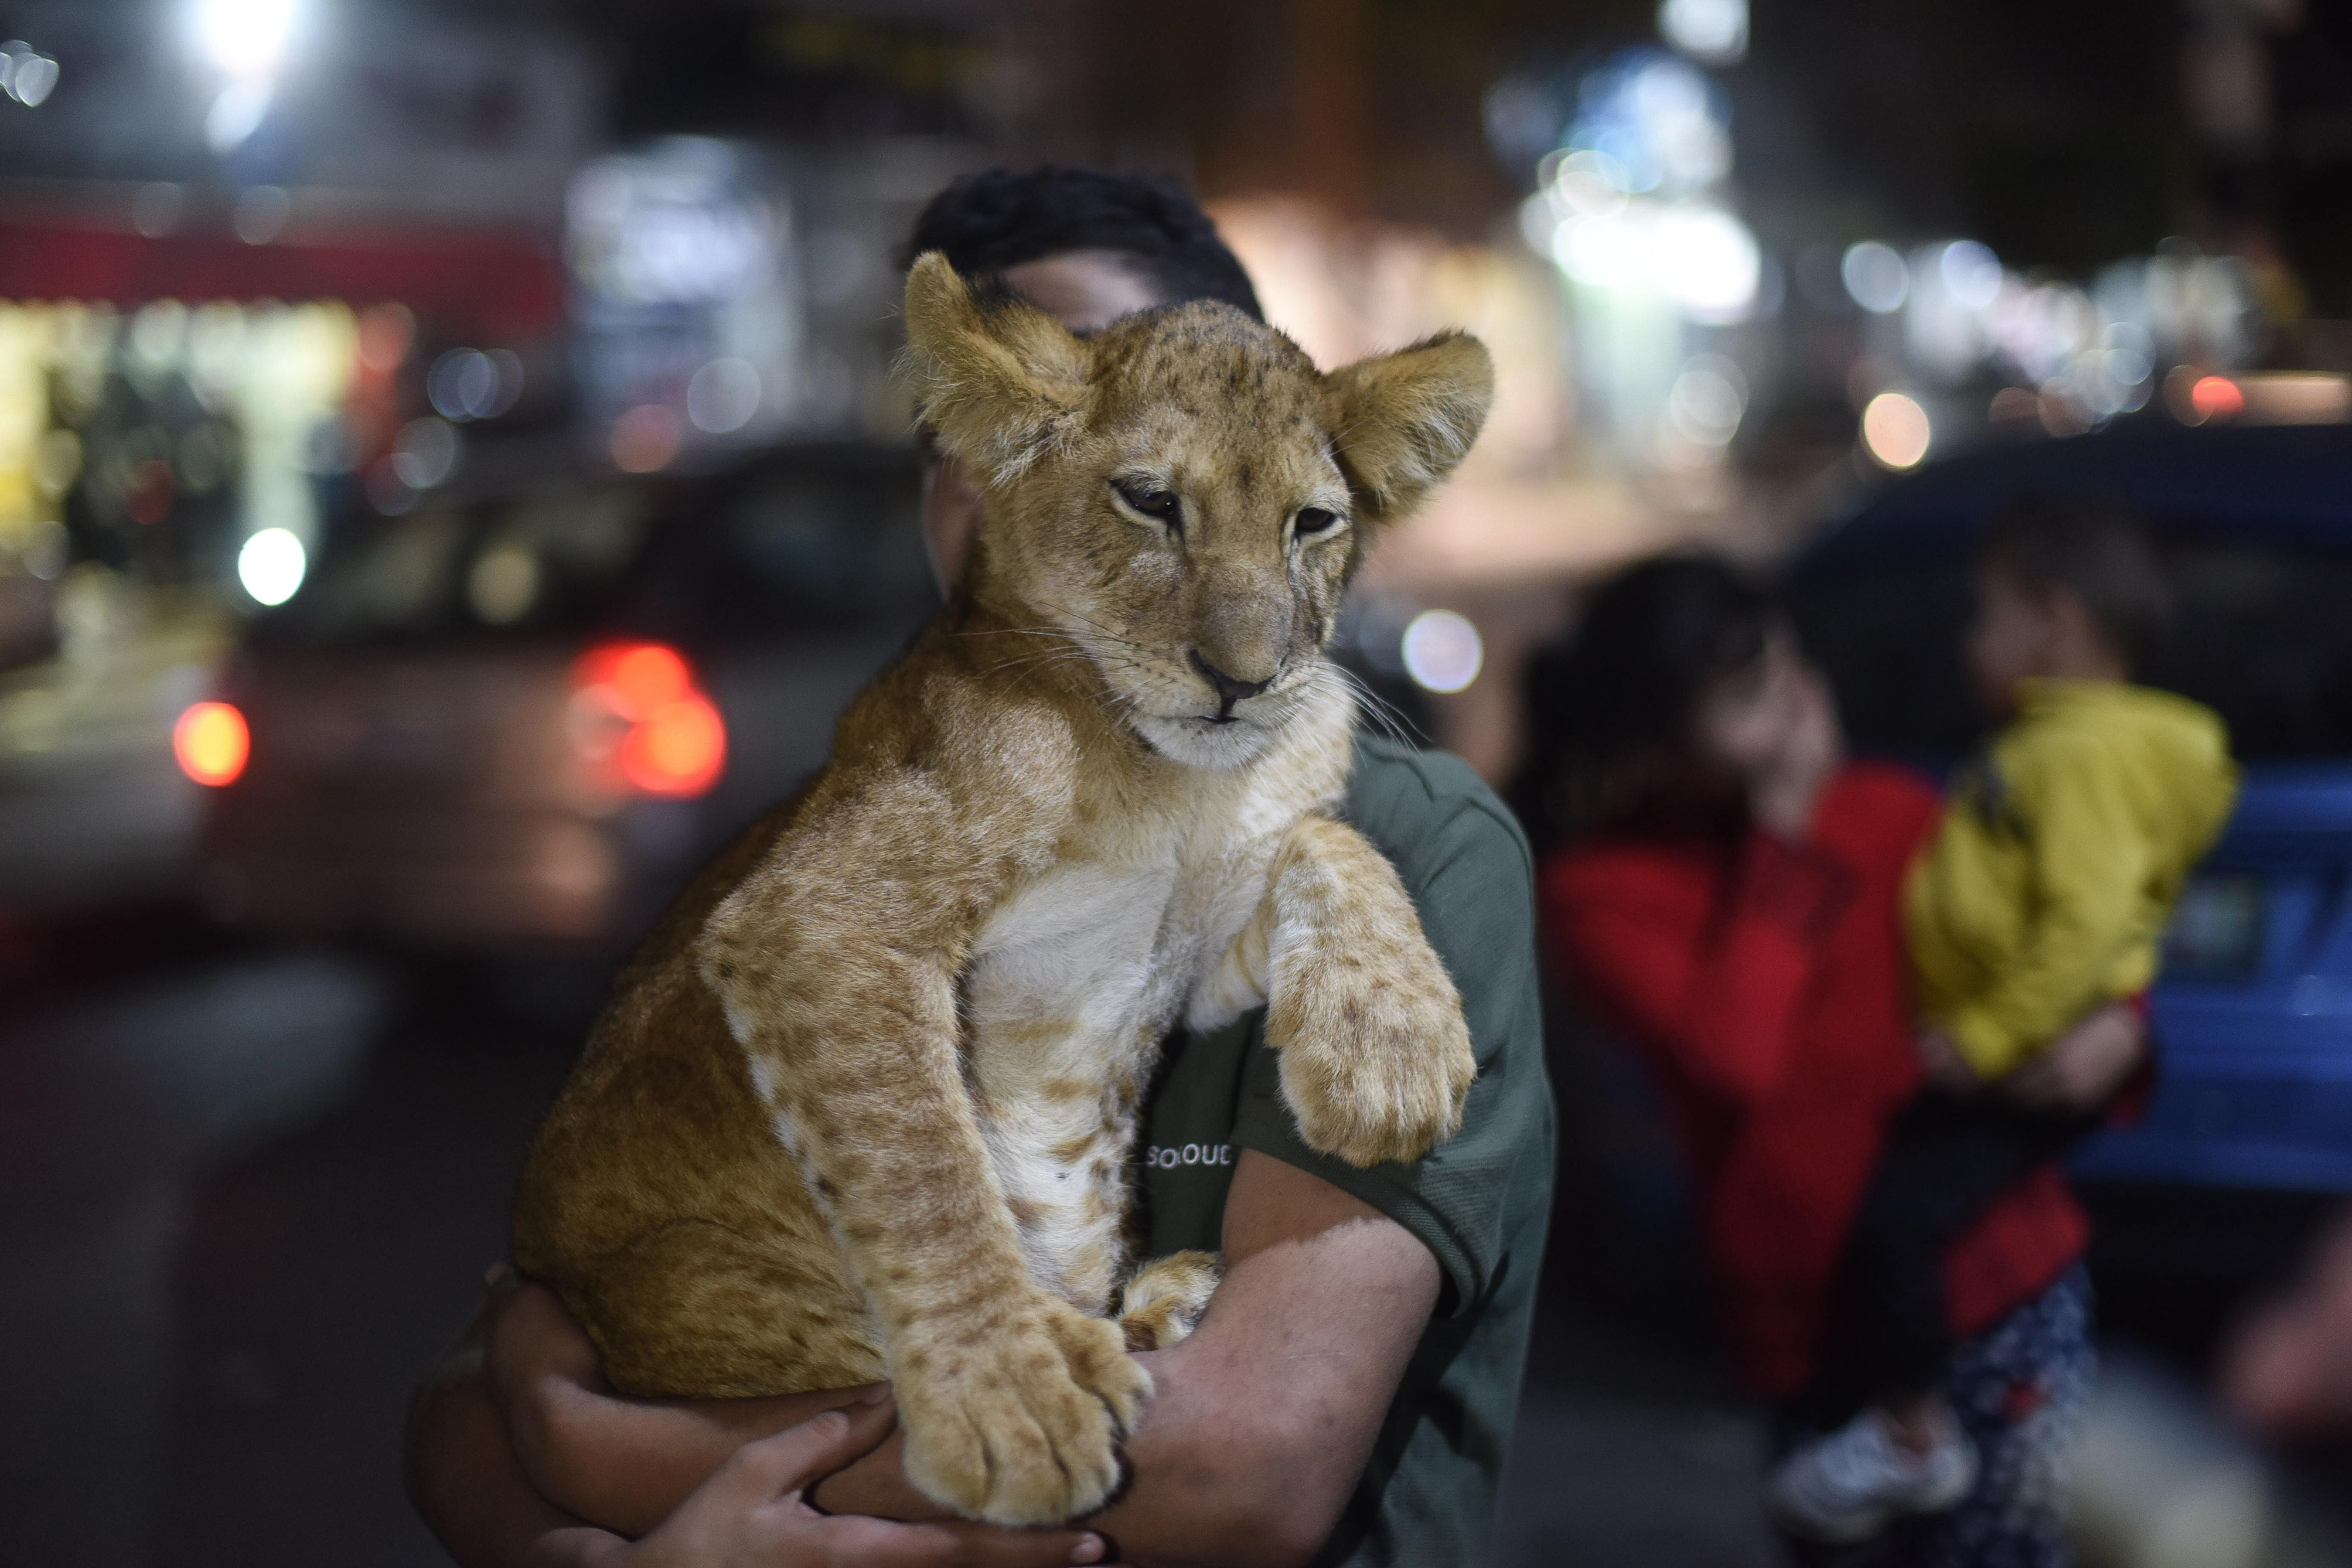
[92, 813]
[2254, 1011]
[517, 721]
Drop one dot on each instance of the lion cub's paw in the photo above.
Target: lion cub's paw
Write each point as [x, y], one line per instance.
[1014, 1416]
[1376, 1060]
[1163, 1302]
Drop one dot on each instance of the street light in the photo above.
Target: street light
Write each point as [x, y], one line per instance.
[244, 38]
[247, 42]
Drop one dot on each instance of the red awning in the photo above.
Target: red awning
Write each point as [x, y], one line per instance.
[484, 286]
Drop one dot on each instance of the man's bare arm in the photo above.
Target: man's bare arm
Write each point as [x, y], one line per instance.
[463, 1476]
[624, 1463]
[1264, 1417]
[1259, 1430]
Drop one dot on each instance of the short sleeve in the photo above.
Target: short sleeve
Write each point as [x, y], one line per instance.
[1465, 865]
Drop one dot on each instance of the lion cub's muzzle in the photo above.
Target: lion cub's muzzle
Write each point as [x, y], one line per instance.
[1229, 690]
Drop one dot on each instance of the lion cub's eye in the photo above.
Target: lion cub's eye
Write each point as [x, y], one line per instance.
[1314, 520]
[1150, 502]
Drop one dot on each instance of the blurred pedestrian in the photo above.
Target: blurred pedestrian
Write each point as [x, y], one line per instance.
[1723, 885]
[2040, 899]
[2286, 1369]
[1350, 1395]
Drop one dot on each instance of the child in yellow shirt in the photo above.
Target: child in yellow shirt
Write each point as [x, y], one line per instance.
[2043, 898]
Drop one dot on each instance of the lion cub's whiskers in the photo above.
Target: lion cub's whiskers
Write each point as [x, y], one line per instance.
[1394, 721]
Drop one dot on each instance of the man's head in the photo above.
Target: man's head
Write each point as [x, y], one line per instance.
[1150, 230]
[1181, 493]
[1085, 248]
[2064, 589]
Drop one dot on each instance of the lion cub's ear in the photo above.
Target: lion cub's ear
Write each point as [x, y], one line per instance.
[1402, 421]
[997, 380]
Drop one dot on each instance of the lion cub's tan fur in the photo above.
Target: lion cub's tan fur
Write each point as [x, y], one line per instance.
[863, 1105]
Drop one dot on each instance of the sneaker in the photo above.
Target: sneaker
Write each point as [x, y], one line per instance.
[1848, 1486]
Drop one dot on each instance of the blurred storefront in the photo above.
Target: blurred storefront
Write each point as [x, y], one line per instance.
[247, 258]
[271, 269]
[274, 261]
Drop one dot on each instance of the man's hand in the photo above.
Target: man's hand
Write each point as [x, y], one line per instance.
[2082, 1067]
[1946, 1068]
[753, 1513]
[746, 1505]
[623, 1464]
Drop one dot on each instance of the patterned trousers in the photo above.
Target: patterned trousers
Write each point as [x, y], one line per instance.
[2021, 1388]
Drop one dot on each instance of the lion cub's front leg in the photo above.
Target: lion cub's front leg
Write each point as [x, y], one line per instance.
[1013, 1400]
[1376, 1060]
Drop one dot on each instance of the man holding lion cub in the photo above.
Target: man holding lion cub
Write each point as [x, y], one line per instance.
[1349, 1395]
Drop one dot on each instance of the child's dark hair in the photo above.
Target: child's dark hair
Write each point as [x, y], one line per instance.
[1609, 708]
[2093, 547]
[988, 221]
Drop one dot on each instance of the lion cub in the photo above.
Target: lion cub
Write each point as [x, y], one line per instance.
[863, 1106]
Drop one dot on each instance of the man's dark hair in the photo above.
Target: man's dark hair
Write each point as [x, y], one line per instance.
[988, 221]
[1609, 709]
[2094, 548]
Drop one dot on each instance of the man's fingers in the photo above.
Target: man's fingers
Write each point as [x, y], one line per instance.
[798, 1455]
[878, 1544]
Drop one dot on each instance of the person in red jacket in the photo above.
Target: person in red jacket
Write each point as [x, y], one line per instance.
[1720, 885]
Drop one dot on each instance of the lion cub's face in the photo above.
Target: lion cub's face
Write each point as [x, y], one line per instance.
[1184, 494]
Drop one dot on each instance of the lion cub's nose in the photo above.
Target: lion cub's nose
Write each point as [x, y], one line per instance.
[1229, 690]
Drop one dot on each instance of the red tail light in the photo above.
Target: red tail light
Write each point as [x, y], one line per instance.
[211, 742]
[2216, 397]
[646, 724]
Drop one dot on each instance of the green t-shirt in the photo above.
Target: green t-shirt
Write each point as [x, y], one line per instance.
[1479, 1202]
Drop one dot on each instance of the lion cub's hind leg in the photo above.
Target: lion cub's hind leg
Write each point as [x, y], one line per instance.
[1376, 1060]
[1163, 1302]
[694, 1310]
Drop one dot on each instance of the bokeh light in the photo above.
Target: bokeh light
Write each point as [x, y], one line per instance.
[211, 743]
[245, 38]
[1443, 651]
[723, 396]
[26, 75]
[425, 453]
[1894, 430]
[1706, 400]
[1712, 31]
[2216, 397]
[504, 583]
[636, 679]
[1876, 277]
[677, 750]
[261, 213]
[1708, 262]
[1971, 273]
[640, 714]
[645, 438]
[271, 565]
[469, 384]
[385, 332]
[1698, 257]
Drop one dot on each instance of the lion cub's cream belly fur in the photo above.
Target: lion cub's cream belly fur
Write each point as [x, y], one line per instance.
[1077, 979]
